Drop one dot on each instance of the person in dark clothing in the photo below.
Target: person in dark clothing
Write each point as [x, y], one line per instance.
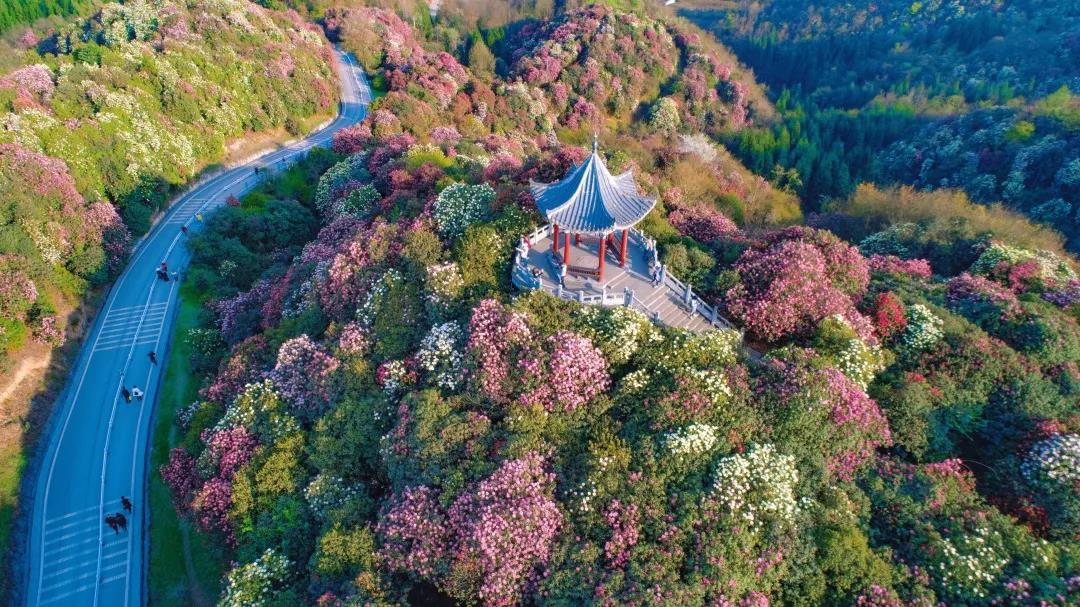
[125, 393]
[111, 522]
[164, 267]
[126, 503]
[183, 230]
[152, 356]
[121, 520]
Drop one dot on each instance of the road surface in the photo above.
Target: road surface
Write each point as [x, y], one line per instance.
[97, 445]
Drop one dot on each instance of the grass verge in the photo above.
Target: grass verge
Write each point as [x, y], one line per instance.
[184, 568]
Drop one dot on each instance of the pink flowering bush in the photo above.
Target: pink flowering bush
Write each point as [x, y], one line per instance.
[211, 506]
[891, 264]
[504, 528]
[785, 290]
[304, 375]
[702, 223]
[414, 533]
[561, 373]
[228, 450]
[623, 521]
[179, 476]
[859, 420]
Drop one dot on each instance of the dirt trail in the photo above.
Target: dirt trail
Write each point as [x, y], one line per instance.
[26, 367]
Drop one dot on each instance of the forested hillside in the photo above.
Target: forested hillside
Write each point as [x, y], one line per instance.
[109, 116]
[383, 421]
[24, 12]
[972, 95]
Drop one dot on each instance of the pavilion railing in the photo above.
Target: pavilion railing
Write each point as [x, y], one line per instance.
[523, 278]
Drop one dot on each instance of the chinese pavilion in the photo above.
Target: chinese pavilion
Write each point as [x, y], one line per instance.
[590, 201]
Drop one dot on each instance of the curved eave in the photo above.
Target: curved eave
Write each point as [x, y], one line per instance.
[589, 200]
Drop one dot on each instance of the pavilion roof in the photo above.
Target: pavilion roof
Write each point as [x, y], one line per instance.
[590, 200]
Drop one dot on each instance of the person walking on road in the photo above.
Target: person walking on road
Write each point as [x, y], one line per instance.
[183, 230]
[126, 503]
[125, 393]
[121, 520]
[110, 520]
[152, 356]
[164, 267]
[136, 392]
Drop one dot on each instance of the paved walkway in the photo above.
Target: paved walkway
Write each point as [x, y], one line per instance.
[665, 303]
[97, 446]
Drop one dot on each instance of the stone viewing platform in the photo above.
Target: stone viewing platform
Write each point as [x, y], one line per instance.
[665, 303]
[591, 253]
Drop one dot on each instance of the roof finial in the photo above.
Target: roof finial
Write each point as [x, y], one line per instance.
[594, 142]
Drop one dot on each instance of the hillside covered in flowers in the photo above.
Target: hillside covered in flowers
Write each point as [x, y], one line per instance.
[383, 420]
[108, 117]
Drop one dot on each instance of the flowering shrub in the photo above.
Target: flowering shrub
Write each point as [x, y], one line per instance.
[623, 521]
[1066, 296]
[414, 533]
[702, 222]
[459, 206]
[353, 340]
[694, 440]
[923, 330]
[618, 332]
[504, 528]
[664, 115]
[1000, 259]
[855, 358]
[211, 506]
[786, 290]
[441, 355]
[325, 494]
[968, 564]
[888, 315]
[338, 182]
[757, 488]
[444, 286]
[179, 475]
[303, 375]
[577, 371]
[395, 375]
[891, 264]
[1055, 460]
[861, 424]
[253, 584]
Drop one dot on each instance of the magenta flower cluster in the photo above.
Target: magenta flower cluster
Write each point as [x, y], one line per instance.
[179, 476]
[231, 448]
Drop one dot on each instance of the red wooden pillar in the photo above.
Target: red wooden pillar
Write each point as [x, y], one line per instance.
[603, 246]
[566, 249]
[555, 239]
[622, 249]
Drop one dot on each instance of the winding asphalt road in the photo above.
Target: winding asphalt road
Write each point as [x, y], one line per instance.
[98, 444]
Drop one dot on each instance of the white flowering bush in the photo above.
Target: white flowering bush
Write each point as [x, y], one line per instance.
[252, 585]
[325, 494]
[618, 332]
[335, 179]
[460, 205]
[261, 409]
[857, 359]
[695, 439]
[967, 565]
[1054, 461]
[443, 286]
[377, 295]
[441, 355]
[923, 330]
[758, 488]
